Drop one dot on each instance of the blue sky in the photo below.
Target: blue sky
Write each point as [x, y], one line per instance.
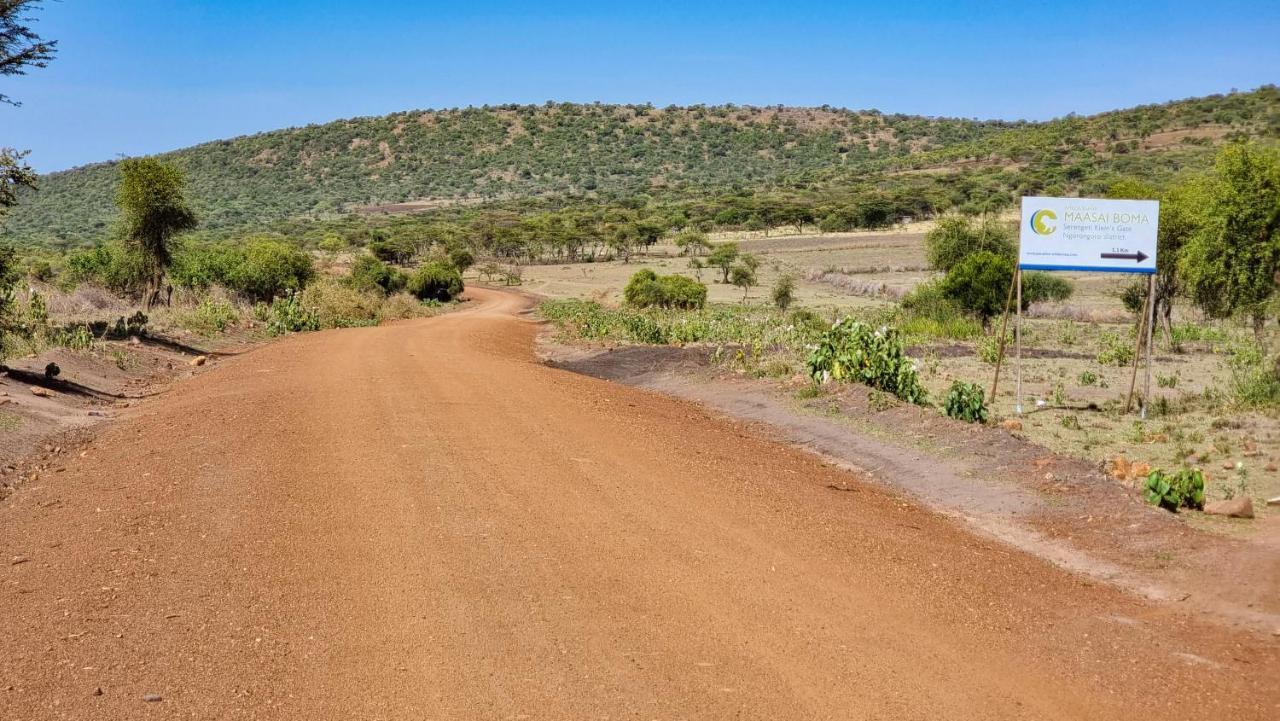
[142, 76]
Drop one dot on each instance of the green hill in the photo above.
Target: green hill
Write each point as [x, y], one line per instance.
[476, 155]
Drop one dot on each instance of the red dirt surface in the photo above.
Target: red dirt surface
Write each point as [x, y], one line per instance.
[423, 521]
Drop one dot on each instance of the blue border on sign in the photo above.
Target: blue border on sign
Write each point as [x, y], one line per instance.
[1089, 268]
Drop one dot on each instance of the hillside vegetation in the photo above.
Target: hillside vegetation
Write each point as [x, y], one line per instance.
[562, 154]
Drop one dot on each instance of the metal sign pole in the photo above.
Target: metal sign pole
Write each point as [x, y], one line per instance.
[1151, 317]
[1017, 334]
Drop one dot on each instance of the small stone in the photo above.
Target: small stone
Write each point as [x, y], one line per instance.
[1228, 465]
[1241, 507]
[97, 691]
[42, 392]
[1011, 424]
[1270, 468]
[152, 698]
[18, 560]
[1273, 501]
[198, 360]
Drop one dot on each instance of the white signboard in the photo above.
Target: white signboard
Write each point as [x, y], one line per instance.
[1109, 236]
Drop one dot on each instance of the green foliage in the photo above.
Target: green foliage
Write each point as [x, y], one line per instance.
[289, 314]
[435, 281]
[14, 174]
[213, 315]
[928, 313]
[979, 284]
[461, 258]
[114, 266]
[956, 238]
[697, 167]
[852, 351]
[153, 209]
[967, 402]
[749, 326]
[743, 276]
[1181, 489]
[784, 290]
[393, 250]
[1255, 383]
[1088, 378]
[693, 242]
[368, 274]
[1231, 259]
[1116, 350]
[1040, 287]
[330, 304]
[723, 257]
[269, 267]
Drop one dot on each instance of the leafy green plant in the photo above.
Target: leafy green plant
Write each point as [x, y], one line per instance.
[852, 351]
[1088, 378]
[213, 315]
[967, 402]
[436, 281]
[1181, 489]
[1116, 351]
[290, 315]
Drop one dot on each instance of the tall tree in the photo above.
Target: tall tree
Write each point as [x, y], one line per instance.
[1232, 258]
[153, 209]
[20, 48]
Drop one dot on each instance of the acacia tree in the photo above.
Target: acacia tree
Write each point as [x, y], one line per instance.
[1232, 257]
[723, 257]
[20, 48]
[153, 210]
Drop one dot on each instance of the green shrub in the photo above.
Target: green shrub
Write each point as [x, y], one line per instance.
[928, 313]
[112, 266]
[852, 351]
[988, 348]
[979, 284]
[967, 402]
[288, 314]
[436, 281]
[1088, 378]
[368, 274]
[1171, 491]
[682, 293]
[268, 268]
[1116, 351]
[1254, 382]
[784, 289]
[461, 258]
[647, 289]
[213, 315]
[954, 239]
[1041, 287]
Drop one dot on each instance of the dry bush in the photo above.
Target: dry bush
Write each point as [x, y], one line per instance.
[339, 306]
[402, 306]
[86, 302]
[1064, 311]
[855, 286]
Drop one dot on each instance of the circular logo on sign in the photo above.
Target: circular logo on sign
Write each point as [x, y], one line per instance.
[1039, 225]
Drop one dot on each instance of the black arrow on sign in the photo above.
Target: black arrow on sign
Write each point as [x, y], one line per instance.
[1136, 257]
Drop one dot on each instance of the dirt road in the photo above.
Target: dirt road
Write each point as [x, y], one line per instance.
[421, 521]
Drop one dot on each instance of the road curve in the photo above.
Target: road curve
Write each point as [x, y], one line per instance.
[421, 521]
